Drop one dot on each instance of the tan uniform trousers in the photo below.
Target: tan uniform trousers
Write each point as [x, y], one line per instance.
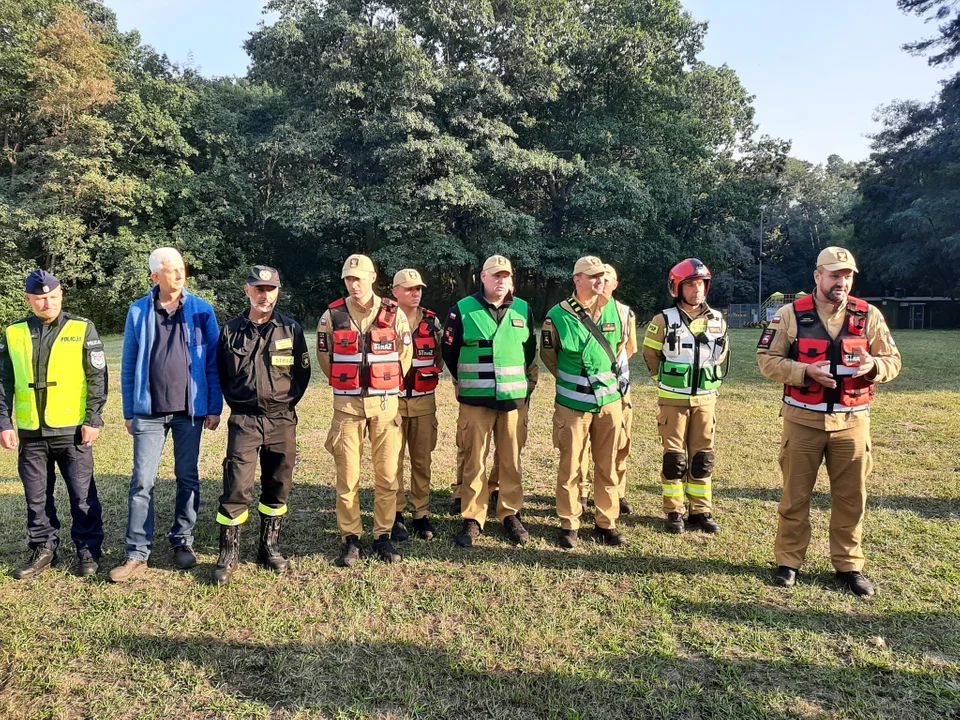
[493, 479]
[849, 461]
[476, 426]
[687, 436]
[626, 444]
[345, 443]
[418, 437]
[572, 430]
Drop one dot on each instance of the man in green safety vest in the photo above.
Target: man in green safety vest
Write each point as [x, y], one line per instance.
[490, 348]
[53, 384]
[581, 339]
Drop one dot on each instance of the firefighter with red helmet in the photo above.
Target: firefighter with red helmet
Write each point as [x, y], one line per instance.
[364, 347]
[418, 406]
[829, 349]
[686, 350]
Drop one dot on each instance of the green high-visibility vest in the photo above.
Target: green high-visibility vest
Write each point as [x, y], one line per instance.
[586, 379]
[66, 386]
[492, 362]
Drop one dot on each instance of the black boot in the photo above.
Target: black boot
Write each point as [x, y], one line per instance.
[704, 521]
[456, 506]
[674, 523]
[608, 536]
[493, 502]
[385, 550]
[229, 557]
[42, 558]
[399, 533]
[625, 507]
[856, 582]
[423, 528]
[469, 534]
[785, 576]
[350, 551]
[268, 555]
[517, 533]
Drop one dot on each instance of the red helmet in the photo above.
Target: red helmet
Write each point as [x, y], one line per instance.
[689, 269]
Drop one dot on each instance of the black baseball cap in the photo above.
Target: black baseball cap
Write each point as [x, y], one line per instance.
[263, 275]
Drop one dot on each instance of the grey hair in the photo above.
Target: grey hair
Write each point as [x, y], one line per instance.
[161, 256]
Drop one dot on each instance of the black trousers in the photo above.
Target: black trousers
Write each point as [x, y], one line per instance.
[274, 439]
[37, 461]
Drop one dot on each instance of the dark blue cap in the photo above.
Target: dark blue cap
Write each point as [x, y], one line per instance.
[40, 282]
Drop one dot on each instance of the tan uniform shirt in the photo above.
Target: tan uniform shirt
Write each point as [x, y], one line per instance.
[653, 340]
[629, 330]
[363, 317]
[774, 361]
[550, 339]
[423, 404]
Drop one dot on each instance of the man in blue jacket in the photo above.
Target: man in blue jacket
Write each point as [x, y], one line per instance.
[169, 382]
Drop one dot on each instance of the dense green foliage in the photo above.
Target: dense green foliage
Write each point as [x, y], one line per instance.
[423, 133]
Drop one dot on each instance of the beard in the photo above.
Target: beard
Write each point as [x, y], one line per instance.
[262, 307]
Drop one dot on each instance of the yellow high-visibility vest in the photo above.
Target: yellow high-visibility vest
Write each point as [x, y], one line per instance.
[66, 384]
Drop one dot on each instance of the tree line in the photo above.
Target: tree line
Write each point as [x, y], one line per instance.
[432, 134]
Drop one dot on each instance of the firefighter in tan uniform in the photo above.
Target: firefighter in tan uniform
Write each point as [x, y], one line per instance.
[829, 350]
[418, 406]
[490, 348]
[364, 347]
[686, 351]
[581, 340]
[629, 348]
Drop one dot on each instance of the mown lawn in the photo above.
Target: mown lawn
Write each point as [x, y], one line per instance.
[685, 627]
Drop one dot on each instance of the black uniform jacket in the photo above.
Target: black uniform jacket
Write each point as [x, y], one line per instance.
[94, 367]
[264, 369]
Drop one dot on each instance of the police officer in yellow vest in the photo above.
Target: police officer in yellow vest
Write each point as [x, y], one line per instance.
[53, 383]
[627, 350]
[490, 348]
[686, 351]
[829, 350]
[581, 341]
[364, 347]
[418, 405]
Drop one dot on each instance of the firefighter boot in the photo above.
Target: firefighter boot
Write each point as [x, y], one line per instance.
[268, 555]
[229, 554]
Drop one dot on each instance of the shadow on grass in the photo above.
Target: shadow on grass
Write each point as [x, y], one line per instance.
[347, 678]
[933, 508]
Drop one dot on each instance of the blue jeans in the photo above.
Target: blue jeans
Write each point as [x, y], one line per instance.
[149, 436]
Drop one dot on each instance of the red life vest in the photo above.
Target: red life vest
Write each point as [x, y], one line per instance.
[814, 344]
[424, 375]
[365, 363]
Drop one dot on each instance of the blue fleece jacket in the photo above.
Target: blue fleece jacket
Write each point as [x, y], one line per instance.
[200, 326]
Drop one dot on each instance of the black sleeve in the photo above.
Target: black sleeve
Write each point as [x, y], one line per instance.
[95, 368]
[6, 386]
[223, 347]
[452, 340]
[530, 345]
[301, 362]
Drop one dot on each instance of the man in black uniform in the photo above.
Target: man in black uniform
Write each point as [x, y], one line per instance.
[53, 381]
[264, 369]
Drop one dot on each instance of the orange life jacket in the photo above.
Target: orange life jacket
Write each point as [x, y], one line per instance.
[814, 344]
[365, 363]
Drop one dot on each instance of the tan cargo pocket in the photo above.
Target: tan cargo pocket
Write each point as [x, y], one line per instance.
[434, 427]
[334, 437]
[559, 428]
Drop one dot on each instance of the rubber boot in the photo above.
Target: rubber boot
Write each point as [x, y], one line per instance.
[268, 555]
[229, 557]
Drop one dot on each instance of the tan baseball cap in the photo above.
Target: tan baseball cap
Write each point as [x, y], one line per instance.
[408, 278]
[497, 263]
[609, 270]
[358, 266]
[836, 258]
[589, 265]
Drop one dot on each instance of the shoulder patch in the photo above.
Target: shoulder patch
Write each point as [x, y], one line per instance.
[548, 321]
[448, 336]
[546, 339]
[323, 344]
[98, 359]
[776, 320]
[406, 338]
[653, 329]
[766, 339]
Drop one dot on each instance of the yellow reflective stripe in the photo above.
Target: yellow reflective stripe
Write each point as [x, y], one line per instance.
[673, 490]
[701, 491]
[272, 512]
[652, 344]
[229, 521]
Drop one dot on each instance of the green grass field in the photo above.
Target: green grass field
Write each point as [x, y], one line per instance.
[685, 627]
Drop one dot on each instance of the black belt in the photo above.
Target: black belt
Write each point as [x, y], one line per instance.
[41, 385]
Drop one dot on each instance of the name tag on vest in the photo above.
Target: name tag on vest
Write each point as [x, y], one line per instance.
[282, 360]
[608, 327]
[517, 323]
[284, 344]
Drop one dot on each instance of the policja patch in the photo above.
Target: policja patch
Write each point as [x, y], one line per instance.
[98, 359]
